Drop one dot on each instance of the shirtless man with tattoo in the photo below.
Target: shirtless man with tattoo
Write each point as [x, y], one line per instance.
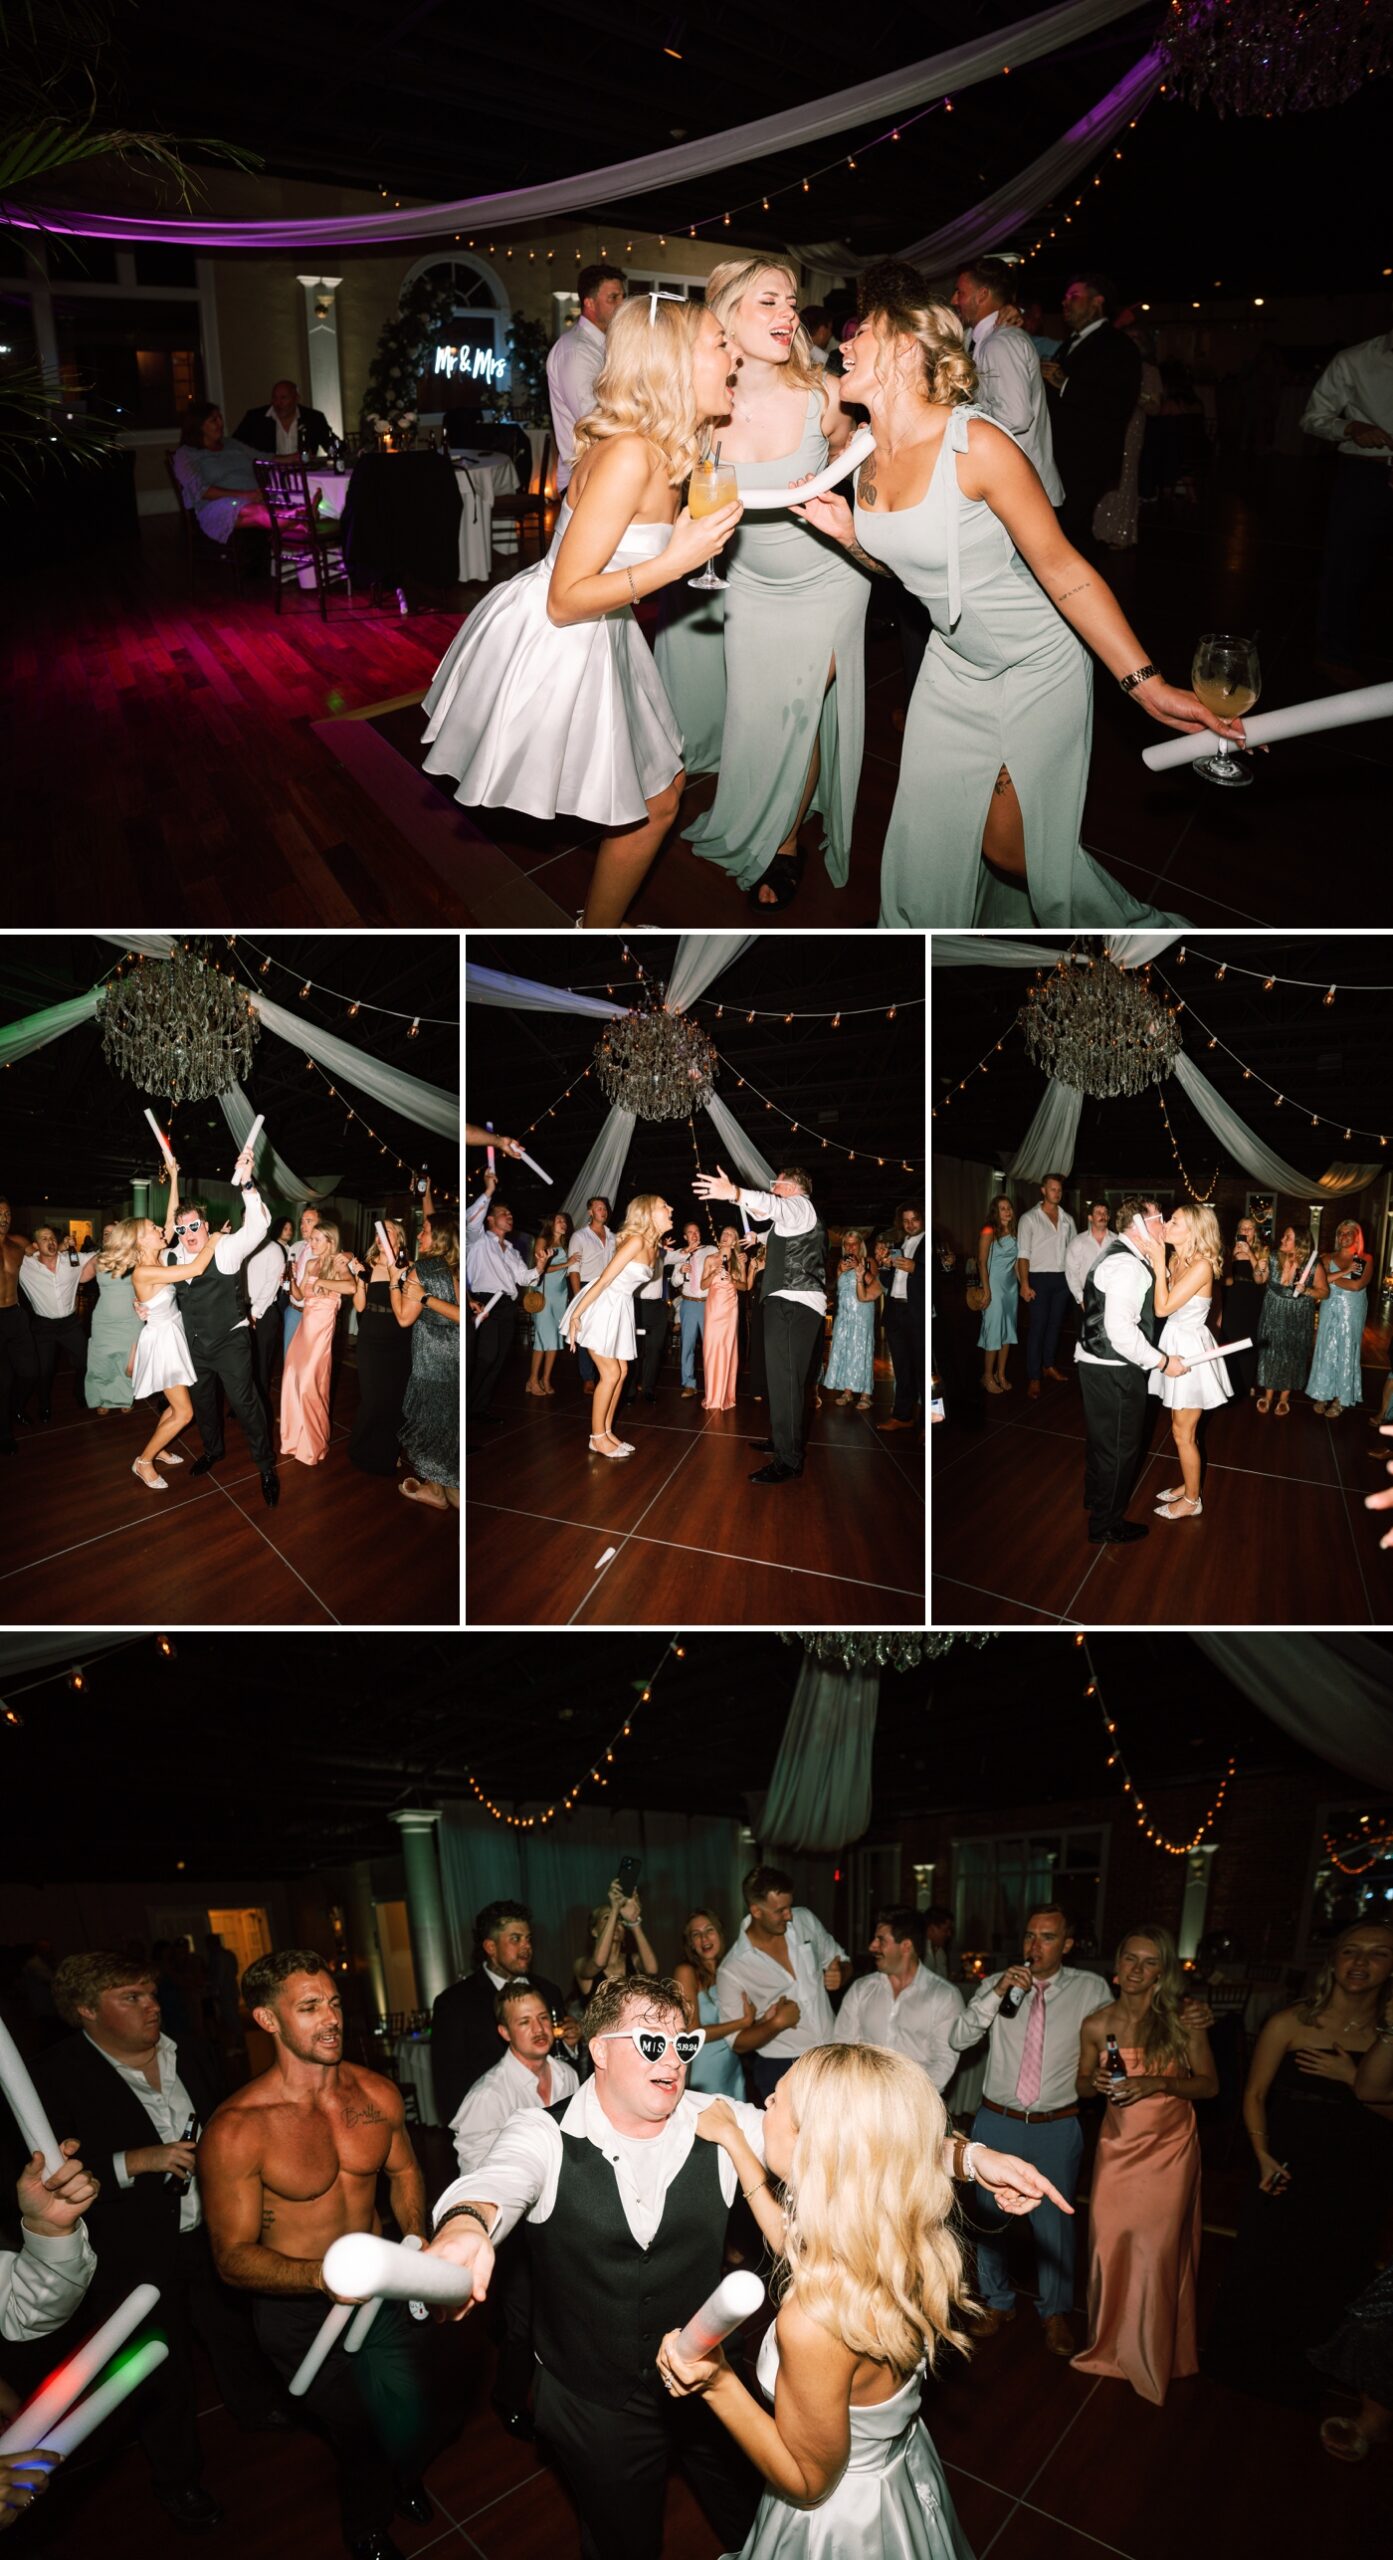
[287, 2165]
[19, 1367]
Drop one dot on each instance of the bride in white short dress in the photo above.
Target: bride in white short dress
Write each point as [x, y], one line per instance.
[1184, 1297]
[162, 1362]
[601, 1319]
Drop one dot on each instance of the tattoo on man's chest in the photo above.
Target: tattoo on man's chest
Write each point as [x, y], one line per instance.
[365, 2114]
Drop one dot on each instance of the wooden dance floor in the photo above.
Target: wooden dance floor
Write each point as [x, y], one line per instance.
[86, 1545]
[675, 1535]
[1283, 1539]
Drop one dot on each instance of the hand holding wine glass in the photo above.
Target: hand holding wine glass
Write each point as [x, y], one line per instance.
[1228, 680]
[713, 491]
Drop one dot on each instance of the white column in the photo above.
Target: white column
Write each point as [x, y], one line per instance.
[1199, 1867]
[424, 1910]
[322, 336]
[365, 1931]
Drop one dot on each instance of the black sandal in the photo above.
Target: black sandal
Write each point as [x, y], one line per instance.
[783, 876]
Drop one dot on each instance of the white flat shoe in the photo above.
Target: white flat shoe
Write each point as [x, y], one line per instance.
[625, 1449]
[168, 1458]
[1176, 1494]
[159, 1485]
[1177, 1514]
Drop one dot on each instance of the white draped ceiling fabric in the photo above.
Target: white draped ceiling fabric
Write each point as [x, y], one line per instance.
[817, 120]
[1049, 1142]
[820, 1793]
[1330, 1692]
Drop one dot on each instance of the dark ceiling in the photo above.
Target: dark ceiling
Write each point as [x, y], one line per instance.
[436, 101]
[861, 1087]
[70, 1127]
[1334, 1057]
[298, 1752]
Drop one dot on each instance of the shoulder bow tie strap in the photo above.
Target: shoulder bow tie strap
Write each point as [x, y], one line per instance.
[954, 443]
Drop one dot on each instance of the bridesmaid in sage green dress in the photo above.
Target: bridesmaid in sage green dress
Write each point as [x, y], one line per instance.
[770, 692]
[987, 817]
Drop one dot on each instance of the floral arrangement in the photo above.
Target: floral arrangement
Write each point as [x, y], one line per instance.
[403, 353]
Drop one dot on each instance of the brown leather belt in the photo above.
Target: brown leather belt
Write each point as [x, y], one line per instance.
[1030, 2115]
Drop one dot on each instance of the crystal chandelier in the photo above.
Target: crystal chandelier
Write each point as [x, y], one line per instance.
[657, 1064]
[1275, 57]
[1099, 1028]
[177, 1026]
[879, 1652]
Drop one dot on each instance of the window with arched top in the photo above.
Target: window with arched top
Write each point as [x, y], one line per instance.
[473, 348]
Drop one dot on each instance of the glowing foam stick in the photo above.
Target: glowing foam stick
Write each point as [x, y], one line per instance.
[363, 2265]
[488, 1124]
[26, 2104]
[1221, 1351]
[1299, 720]
[55, 2397]
[162, 1140]
[389, 1251]
[75, 2429]
[365, 2318]
[1305, 1276]
[335, 2321]
[736, 2297]
[862, 443]
[525, 1158]
[488, 1310]
[254, 1133]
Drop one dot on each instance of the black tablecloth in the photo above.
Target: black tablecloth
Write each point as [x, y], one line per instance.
[401, 521]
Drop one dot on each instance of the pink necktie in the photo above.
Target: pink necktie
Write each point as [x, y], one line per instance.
[1033, 2058]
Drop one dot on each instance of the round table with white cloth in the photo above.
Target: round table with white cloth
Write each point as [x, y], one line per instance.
[411, 2065]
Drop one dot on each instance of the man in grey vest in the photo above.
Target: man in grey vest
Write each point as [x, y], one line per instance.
[216, 1327]
[795, 1303]
[1118, 1344]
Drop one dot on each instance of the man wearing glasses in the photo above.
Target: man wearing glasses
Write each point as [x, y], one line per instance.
[214, 1310]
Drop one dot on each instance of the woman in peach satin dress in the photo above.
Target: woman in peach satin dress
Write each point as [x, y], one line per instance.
[723, 1277]
[1144, 2209]
[326, 1278]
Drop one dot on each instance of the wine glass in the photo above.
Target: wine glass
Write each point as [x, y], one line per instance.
[1228, 680]
[714, 485]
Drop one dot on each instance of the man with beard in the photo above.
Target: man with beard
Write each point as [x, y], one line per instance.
[287, 2166]
[19, 1366]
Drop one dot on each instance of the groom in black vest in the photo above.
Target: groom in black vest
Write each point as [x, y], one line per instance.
[795, 1303]
[1118, 1345]
[214, 1309]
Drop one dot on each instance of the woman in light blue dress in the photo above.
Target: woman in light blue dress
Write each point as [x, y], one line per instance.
[1336, 1381]
[116, 1329]
[851, 1360]
[987, 817]
[717, 2067]
[549, 1253]
[771, 692]
[996, 1271]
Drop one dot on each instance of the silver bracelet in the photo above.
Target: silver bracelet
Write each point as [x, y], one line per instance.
[969, 2173]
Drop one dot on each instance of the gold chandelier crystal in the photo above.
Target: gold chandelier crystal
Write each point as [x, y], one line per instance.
[1100, 1029]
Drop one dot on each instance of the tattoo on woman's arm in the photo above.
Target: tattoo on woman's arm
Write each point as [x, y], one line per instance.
[1080, 589]
[877, 568]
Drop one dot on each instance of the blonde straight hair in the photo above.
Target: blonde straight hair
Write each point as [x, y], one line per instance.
[639, 1217]
[1206, 1244]
[1322, 1990]
[644, 387]
[1163, 2038]
[729, 283]
[868, 2247]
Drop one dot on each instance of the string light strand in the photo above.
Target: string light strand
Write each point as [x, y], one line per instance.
[1116, 1758]
[600, 1761]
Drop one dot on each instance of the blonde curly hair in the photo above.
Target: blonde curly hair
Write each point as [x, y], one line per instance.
[644, 387]
[120, 1257]
[898, 304]
[1206, 1244]
[728, 284]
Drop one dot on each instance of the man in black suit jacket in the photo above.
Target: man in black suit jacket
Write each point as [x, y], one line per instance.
[464, 2023]
[308, 430]
[1092, 386]
[904, 1316]
[136, 2101]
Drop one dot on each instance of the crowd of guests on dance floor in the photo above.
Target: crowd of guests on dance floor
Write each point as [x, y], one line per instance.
[286, 1294]
[731, 2095]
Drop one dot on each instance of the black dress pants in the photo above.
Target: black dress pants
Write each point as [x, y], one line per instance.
[228, 1367]
[370, 2407]
[493, 1340]
[1117, 1420]
[615, 2464]
[19, 1366]
[53, 1334]
[904, 1335]
[268, 1356]
[792, 1334]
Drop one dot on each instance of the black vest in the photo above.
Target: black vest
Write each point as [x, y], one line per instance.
[603, 2305]
[796, 1262]
[212, 1306]
[1094, 1332]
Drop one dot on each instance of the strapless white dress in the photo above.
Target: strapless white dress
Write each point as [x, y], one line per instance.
[529, 715]
[891, 2502]
[608, 1322]
[1184, 1334]
[161, 1353]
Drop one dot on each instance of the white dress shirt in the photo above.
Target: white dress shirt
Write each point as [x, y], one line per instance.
[747, 1968]
[1043, 1242]
[916, 2021]
[287, 438]
[1069, 1998]
[590, 1254]
[1011, 387]
[573, 368]
[909, 1246]
[169, 2108]
[1122, 1288]
[265, 1274]
[501, 2093]
[1079, 1260]
[300, 1253]
[494, 1267]
[1357, 385]
[791, 1214]
[52, 1293]
[523, 2168]
[43, 2282]
[689, 1266]
[230, 1252]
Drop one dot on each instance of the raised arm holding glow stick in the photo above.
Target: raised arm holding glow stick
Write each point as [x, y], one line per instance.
[160, 1139]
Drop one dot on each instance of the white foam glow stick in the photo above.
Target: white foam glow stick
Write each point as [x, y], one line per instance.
[364, 2319]
[162, 1140]
[332, 2326]
[34, 2424]
[389, 1251]
[1221, 1351]
[254, 1132]
[1305, 1276]
[489, 1152]
[362, 2264]
[736, 2297]
[862, 443]
[488, 1310]
[75, 2429]
[26, 2103]
[1299, 720]
[525, 1158]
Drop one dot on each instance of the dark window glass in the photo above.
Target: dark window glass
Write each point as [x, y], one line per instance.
[159, 265]
[140, 359]
[73, 261]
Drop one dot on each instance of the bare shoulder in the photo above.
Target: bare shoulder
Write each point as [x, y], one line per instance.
[233, 2136]
[810, 2349]
[620, 467]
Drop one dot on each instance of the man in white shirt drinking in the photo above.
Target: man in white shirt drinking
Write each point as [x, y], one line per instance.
[1043, 1238]
[903, 2004]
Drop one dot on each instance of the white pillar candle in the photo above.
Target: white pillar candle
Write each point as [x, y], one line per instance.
[26, 2104]
[364, 2319]
[160, 1138]
[80, 2422]
[736, 2297]
[361, 2265]
[1299, 720]
[525, 1158]
[57, 2395]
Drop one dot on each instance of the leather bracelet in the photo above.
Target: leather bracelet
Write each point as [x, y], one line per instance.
[1130, 683]
[453, 2216]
